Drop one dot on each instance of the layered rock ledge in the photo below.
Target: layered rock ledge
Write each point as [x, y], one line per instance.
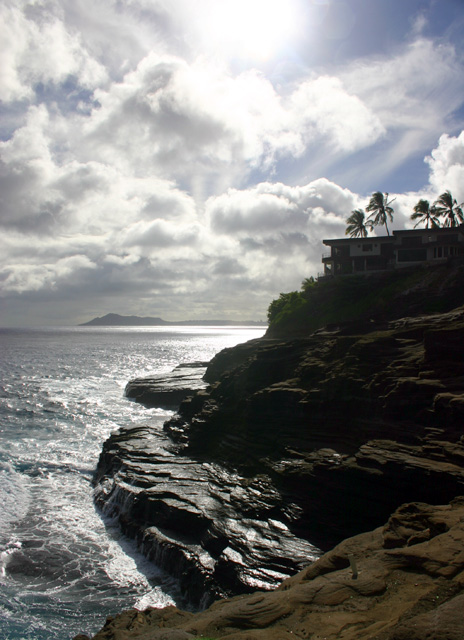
[217, 532]
[293, 446]
[402, 581]
[166, 391]
[347, 423]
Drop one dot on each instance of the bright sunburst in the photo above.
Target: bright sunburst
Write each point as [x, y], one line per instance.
[250, 28]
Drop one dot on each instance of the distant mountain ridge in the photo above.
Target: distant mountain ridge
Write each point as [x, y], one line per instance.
[116, 320]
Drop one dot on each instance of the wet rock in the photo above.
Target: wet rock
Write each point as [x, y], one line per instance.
[216, 531]
[391, 596]
[166, 391]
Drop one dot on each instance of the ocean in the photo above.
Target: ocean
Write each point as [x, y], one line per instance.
[64, 567]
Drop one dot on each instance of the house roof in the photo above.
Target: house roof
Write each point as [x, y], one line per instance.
[439, 231]
[400, 232]
[369, 240]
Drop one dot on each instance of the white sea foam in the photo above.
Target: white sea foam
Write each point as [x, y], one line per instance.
[14, 498]
[5, 554]
[65, 568]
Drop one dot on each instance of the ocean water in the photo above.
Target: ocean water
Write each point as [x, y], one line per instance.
[64, 567]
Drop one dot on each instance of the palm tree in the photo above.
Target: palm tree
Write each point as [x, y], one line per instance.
[356, 225]
[425, 214]
[448, 207]
[379, 205]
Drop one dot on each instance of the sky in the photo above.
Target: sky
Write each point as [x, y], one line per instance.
[186, 158]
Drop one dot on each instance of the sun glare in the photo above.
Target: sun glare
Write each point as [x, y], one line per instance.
[255, 29]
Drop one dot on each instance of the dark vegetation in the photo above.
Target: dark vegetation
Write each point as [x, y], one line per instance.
[379, 297]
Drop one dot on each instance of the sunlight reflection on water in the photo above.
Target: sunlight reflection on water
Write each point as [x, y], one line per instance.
[61, 396]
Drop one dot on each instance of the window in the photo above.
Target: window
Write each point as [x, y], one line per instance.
[412, 255]
[411, 241]
[340, 252]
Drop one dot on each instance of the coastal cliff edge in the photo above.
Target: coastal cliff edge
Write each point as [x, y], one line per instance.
[298, 443]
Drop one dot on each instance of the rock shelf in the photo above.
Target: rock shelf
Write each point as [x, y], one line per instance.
[166, 391]
[216, 531]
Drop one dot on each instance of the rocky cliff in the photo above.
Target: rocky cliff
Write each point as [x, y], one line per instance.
[347, 423]
[295, 444]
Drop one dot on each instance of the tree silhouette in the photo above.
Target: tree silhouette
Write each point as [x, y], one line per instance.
[356, 225]
[425, 214]
[380, 209]
[447, 207]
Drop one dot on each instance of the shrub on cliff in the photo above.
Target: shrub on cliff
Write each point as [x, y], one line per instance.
[285, 307]
[381, 296]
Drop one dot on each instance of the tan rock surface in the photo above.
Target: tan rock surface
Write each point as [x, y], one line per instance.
[405, 582]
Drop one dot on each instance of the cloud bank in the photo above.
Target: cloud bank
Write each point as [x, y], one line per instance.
[140, 173]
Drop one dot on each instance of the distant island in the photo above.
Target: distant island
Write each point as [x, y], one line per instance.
[116, 320]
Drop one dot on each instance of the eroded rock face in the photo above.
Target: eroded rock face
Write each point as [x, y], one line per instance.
[347, 424]
[404, 587]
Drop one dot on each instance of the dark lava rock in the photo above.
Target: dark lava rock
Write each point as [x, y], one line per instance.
[348, 423]
[294, 443]
[166, 391]
[217, 532]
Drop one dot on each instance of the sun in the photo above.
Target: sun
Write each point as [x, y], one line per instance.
[253, 29]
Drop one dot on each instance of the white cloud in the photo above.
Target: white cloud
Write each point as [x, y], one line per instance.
[36, 47]
[174, 118]
[271, 246]
[323, 107]
[251, 212]
[161, 234]
[274, 208]
[446, 164]
[415, 88]
[184, 119]
[43, 190]
[49, 276]
[26, 169]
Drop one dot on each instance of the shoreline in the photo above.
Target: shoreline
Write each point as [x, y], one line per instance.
[314, 429]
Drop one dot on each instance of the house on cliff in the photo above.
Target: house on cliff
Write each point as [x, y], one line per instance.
[402, 249]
